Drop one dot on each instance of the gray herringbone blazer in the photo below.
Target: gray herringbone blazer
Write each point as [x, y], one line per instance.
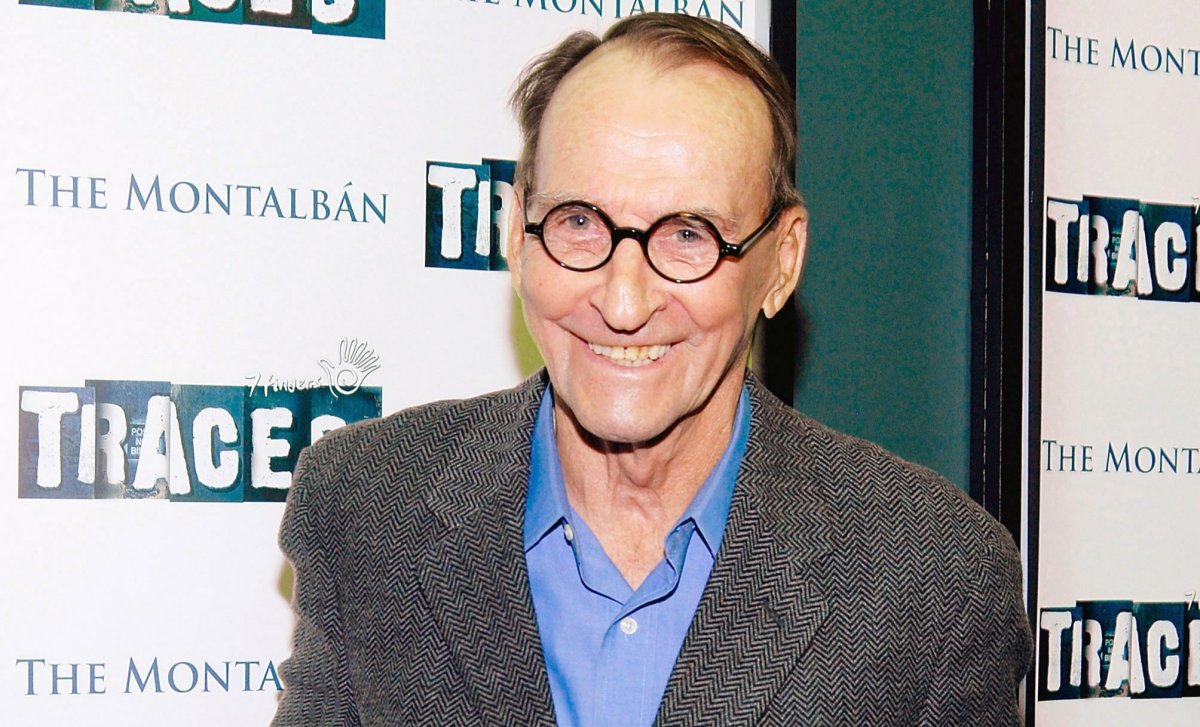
[851, 588]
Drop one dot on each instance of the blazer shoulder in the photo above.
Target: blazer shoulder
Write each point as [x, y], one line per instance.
[873, 487]
[422, 438]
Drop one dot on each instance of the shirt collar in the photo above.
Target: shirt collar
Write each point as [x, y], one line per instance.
[709, 509]
[546, 503]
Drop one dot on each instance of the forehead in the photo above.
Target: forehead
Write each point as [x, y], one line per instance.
[623, 118]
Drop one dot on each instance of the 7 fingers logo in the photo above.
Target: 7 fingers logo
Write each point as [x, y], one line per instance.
[356, 361]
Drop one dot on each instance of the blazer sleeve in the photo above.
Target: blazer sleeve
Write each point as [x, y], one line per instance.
[987, 647]
[316, 677]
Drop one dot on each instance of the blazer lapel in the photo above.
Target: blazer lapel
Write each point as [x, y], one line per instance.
[763, 604]
[474, 577]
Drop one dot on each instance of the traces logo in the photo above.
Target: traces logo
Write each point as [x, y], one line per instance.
[1122, 247]
[466, 214]
[1119, 649]
[356, 18]
[159, 440]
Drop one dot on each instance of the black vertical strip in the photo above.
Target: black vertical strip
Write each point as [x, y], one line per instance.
[983, 471]
[997, 285]
[1000, 201]
[1037, 220]
[775, 352]
[1012, 302]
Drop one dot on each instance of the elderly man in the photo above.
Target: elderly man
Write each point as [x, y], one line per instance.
[642, 534]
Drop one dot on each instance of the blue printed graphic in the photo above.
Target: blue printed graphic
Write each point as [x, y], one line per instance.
[279, 421]
[1060, 644]
[1169, 246]
[76, 4]
[1107, 629]
[1191, 632]
[56, 436]
[1119, 648]
[1114, 237]
[226, 12]
[134, 427]
[1157, 673]
[212, 439]
[295, 16]
[186, 443]
[364, 19]
[1122, 247]
[351, 18]
[466, 214]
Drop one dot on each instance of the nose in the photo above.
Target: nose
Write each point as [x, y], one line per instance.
[631, 291]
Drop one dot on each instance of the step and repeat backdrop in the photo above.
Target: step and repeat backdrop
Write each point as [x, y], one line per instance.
[229, 227]
[1114, 452]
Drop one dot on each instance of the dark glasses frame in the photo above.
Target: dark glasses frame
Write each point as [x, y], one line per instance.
[618, 233]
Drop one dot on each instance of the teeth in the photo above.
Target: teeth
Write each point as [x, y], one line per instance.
[630, 355]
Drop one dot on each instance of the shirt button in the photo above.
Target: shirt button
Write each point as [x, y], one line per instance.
[629, 626]
[568, 532]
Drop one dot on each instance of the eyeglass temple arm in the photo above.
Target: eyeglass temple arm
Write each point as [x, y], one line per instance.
[730, 250]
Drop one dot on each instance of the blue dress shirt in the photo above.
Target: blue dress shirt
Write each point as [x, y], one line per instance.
[609, 649]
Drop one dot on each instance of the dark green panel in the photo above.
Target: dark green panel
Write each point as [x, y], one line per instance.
[885, 164]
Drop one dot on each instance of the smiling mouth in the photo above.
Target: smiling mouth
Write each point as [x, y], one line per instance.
[631, 355]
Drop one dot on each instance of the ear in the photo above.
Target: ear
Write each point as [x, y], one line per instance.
[516, 240]
[789, 251]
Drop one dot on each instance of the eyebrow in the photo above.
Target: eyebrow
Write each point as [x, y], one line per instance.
[555, 198]
[725, 223]
[717, 218]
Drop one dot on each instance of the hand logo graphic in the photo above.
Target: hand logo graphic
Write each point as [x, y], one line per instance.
[356, 362]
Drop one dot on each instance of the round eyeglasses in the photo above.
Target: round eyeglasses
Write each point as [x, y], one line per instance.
[681, 247]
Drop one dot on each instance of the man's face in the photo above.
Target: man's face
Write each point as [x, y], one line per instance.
[631, 355]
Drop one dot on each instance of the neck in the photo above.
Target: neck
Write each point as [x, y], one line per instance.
[631, 495]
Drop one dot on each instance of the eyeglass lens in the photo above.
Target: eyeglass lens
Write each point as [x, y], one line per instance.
[680, 247]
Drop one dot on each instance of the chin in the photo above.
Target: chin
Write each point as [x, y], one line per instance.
[628, 419]
[620, 431]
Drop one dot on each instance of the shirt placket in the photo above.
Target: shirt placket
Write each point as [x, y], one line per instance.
[634, 632]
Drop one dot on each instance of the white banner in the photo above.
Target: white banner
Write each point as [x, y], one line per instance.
[1115, 274]
[230, 226]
